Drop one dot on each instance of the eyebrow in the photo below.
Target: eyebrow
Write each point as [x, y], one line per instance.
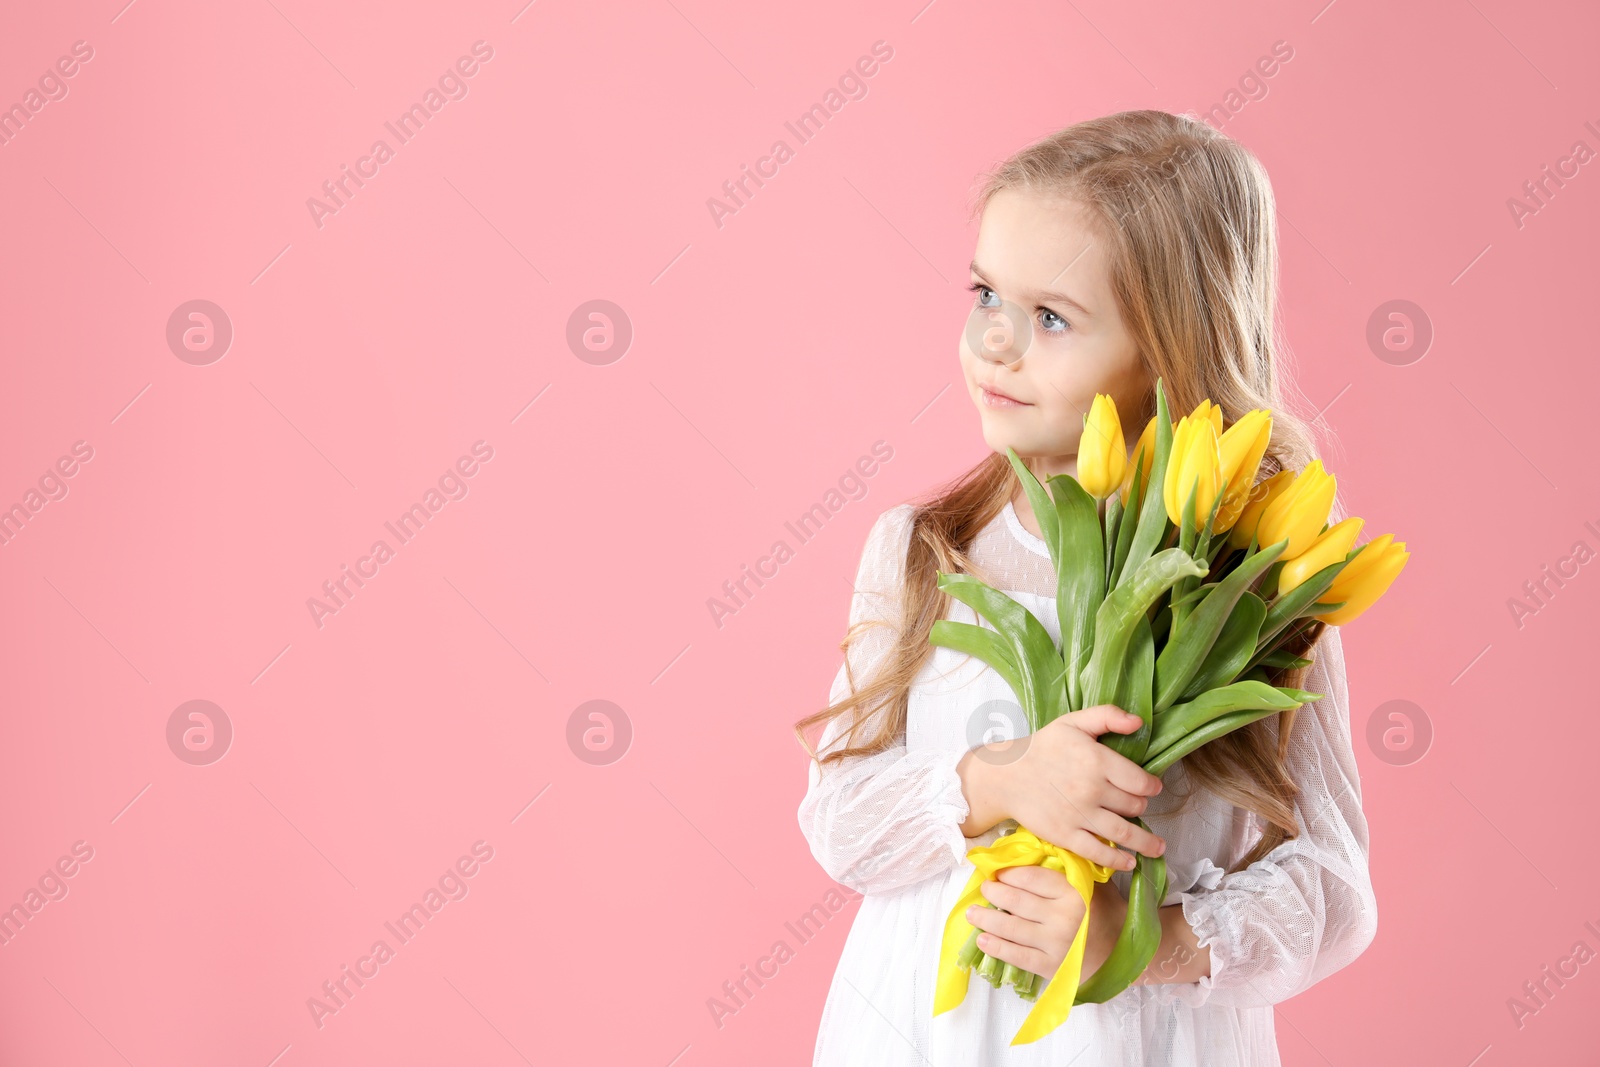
[1043, 296]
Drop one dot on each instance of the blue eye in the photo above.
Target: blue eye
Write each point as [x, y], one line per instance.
[1049, 321]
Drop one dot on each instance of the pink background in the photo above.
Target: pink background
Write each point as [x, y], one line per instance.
[768, 354]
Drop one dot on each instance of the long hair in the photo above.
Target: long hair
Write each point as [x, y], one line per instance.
[1188, 218]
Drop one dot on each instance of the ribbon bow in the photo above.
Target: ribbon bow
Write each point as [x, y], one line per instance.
[1020, 849]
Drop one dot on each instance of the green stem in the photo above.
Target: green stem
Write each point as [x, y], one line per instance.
[991, 970]
[969, 955]
[1140, 937]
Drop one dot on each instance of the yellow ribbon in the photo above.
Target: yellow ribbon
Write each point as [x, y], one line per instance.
[1020, 849]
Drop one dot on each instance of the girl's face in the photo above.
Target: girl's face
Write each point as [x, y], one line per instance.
[1045, 334]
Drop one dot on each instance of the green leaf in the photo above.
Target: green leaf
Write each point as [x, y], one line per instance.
[1115, 621]
[1136, 693]
[1130, 522]
[1211, 520]
[1161, 625]
[1152, 528]
[1181, 720]
[1221, 726]
[1044, 511]
[1079, 557]
[1234, 647]
[1140, 937]
[1193, 636]
[1038, 663]
[1281, 660]
[1296, 603]
[1192, 595]
[1113, 523]
[1186, 541]
[988, 646]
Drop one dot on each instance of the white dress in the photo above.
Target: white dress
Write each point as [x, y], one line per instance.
[888, 826]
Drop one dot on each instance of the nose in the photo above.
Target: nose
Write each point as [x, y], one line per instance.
[998, 335]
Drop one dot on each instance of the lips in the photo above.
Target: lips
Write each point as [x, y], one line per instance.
[994, 398]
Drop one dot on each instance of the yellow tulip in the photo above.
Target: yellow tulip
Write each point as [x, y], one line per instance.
[1299, 511]
[1194, 467]
[1263, 494]
[1102, 454]
[1242, 447]
[1332, 547]
[1207, 410]
[1145, 452]
[1365, 579]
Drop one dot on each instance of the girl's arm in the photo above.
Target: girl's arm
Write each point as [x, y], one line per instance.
[894, 818]
[1262, 934]
[888, 820]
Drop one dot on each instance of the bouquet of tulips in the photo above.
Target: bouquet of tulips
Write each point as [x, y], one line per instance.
[1182, 588]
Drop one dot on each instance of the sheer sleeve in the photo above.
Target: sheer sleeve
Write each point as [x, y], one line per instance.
[881, 822]
[1306, 909]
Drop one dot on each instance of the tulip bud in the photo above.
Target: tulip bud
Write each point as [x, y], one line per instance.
[1263, 494]
[1209, 411]
[1242, 447]
[1194, 467]
[1102, 454]
[1144, 454]
[1330, 548]
[1364, 579]
[1299, 512]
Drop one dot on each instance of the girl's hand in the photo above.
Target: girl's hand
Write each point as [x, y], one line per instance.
[1045, 913]
[1065, 786]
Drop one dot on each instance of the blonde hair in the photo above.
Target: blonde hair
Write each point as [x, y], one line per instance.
[1189, 221]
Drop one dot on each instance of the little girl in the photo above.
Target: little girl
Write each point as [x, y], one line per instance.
[1131, 247]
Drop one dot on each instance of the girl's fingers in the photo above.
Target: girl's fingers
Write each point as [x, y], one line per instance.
[1017, 901]
[1010, 926]
[1125, 774]
[1129, 835]
[1091, 848]
[1041, 881]
[1029, 959]
[1125, 803]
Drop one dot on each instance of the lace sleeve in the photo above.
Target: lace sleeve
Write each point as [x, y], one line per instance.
[878, 823]
[1306, 909]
